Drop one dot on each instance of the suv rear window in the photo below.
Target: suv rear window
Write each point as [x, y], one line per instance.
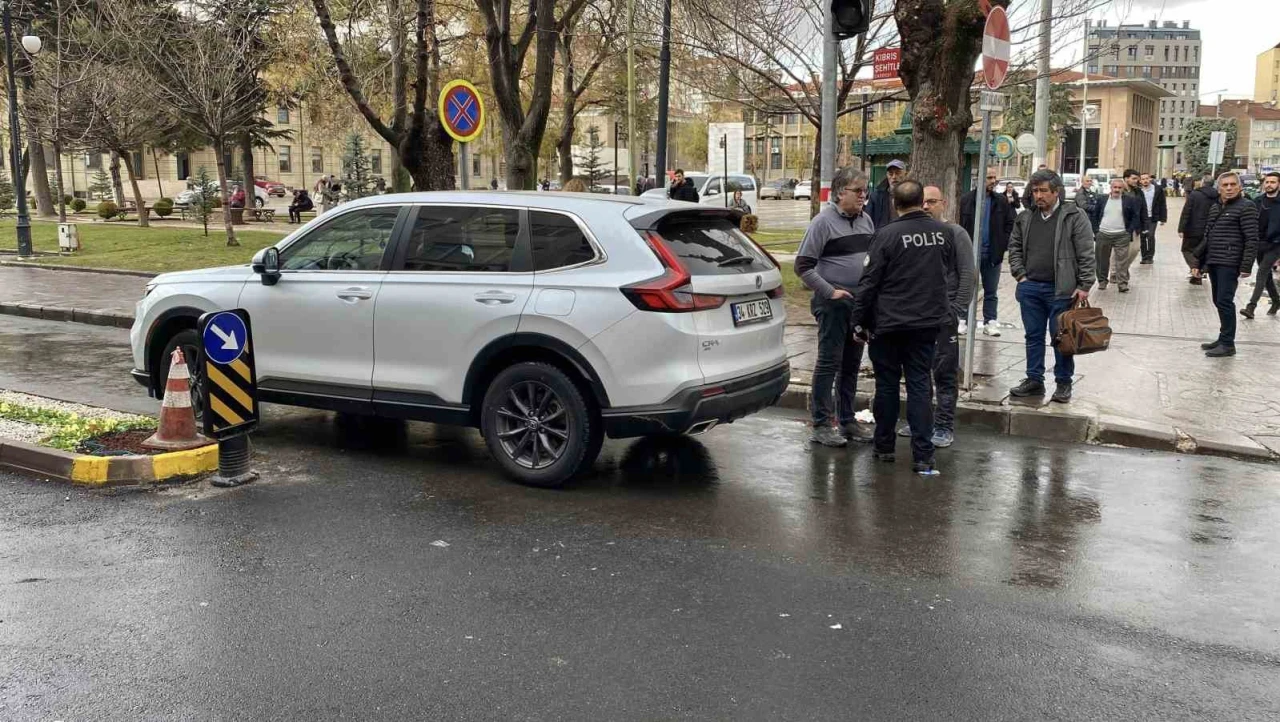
[713, 246]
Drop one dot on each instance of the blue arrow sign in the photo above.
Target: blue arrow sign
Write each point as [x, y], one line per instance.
[224, 338]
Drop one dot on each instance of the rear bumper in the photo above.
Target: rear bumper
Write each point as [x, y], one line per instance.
[721, 403]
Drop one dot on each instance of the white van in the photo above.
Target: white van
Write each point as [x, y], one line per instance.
[1101, 177]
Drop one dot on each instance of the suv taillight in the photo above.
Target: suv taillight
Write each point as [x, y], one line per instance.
[670, 292]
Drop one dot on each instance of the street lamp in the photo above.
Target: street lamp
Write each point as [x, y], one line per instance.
[724, 145]
[31, 44]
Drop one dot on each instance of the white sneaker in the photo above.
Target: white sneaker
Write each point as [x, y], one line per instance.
[991, 329]
[963, 328]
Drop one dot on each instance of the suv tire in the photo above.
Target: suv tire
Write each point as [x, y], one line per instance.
[192, 347]
[538, 426]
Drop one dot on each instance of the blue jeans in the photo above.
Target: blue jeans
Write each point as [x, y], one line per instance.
[990, 273]
[1040, 308]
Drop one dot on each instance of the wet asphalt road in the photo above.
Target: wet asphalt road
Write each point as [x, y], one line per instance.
[684, 579]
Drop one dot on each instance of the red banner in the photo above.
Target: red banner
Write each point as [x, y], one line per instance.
[885, 63]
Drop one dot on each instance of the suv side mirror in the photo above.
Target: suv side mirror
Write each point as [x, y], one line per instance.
[267, 264]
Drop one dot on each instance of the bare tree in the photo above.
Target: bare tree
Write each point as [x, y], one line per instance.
[422, 146]
[598, 25]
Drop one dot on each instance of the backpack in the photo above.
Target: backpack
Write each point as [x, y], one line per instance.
[1081, 330]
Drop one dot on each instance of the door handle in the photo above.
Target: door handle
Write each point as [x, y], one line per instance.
[354, 293]
[493, 298]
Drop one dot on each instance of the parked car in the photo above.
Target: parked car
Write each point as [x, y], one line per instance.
[803, 191]
[1070, 184]
[273, 188]
[546, 320]
[187, 197]
[709, 187]
[779, 190]
[1018, 184]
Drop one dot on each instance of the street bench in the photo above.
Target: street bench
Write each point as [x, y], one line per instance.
[267, 215]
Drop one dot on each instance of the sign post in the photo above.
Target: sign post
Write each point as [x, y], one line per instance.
[462, 115]
[995, 65]
[230, 390]
[1217, 147]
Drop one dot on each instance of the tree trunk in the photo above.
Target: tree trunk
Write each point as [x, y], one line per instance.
[117, 185]
[427, 155]
[250, 178]
[156, 159]
[39, 176]
[219, 148]
[815, 182]
[57, 169]
[941, 42]
[564, 148]
[143, 216]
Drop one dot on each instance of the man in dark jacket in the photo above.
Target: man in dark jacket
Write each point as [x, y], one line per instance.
[1087, 198]
[997, 222]
[880, 202]
[1195, 213]
[1117, 227]
[1157, 210]
[1268, 244]
[1230, 245]
[682, 189]
[901, 301]
[1051, 256]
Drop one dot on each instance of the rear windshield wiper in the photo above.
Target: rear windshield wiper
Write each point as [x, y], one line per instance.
[736, 261]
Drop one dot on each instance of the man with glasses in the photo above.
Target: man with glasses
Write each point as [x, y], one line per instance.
[830, 262]
[997, 223]
[1227, 254]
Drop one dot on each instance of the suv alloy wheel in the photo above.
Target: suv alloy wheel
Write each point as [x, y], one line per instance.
[538, 426]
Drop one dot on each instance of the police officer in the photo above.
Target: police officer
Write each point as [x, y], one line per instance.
[901, 301]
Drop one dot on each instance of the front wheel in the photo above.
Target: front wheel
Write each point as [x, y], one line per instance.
[192, 351]
[538, 425]
[258, 202]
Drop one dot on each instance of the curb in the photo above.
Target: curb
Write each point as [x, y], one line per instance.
[106, 470]
[78, 269]
[1082, 428]
[75, 315]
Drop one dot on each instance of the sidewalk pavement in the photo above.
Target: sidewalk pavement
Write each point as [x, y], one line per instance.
[1153, 388]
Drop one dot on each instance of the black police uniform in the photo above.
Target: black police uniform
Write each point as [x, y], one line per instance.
[902, 300]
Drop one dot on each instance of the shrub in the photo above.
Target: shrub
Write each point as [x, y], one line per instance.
[68, 201]
[750, 223]
[215, 202]
[107, 210]
[77, 204]
[163, 207]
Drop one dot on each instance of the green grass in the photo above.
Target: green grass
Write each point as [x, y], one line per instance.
[797, 292]
[123, 245]
[779, 241]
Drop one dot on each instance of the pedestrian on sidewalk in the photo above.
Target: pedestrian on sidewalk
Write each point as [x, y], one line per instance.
[1195, 213]
[1268, 245]
[1051, 256]
[1157, 209]
[900, 303]
[1086, 196]
[997, 222]
[1133, 186]
[682, 189]
[1231, 244]
[830, 262]
[1117, 227]
[880, 202]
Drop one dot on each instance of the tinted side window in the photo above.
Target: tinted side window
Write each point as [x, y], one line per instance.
[351, 242]
[557, 241]
[462, 238]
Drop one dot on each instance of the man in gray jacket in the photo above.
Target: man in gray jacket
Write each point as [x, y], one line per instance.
[830, 262]
[1051, 256]
[946, 356]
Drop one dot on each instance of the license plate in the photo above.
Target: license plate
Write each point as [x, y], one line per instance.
[751, 312]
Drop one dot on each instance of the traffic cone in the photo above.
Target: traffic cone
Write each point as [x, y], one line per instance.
[177, 419]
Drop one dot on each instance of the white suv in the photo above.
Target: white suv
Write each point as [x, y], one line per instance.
[547, 320]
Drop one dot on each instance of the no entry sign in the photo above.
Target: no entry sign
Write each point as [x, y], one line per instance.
[995, 48]
[461, 111]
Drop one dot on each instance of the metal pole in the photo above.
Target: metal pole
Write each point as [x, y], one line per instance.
[724, 145]
[15, 135]
[615, 157]
[866, 100]
[465, 172]
[631, 94]
[1042, 87]
[1084, 121]
[980, 196]
[827, 150]
[664, 85]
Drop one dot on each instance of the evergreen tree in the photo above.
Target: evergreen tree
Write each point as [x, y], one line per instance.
[101, 187]
[206, 192]
[6, 191]
[357, 174]
[593, 168]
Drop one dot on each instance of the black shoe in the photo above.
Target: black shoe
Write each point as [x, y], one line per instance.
[921, 467]
[1146, 262]
[1062, 394]
[1210, 345]
[885, 456]
[1028, 387]
[1247, 311]
[1124, 288]
[1275, 307]
[1220, 351]
[1102, 285]
[853, 431]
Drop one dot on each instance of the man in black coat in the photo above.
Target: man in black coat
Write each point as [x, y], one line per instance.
[1268, 245]
[880, 202]
[1195, 213]
[1157, 210]
[682, 189]
[1230, 246]
[993, 241]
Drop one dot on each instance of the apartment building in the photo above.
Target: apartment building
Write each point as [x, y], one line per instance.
[1167, 54]
[1266, 77]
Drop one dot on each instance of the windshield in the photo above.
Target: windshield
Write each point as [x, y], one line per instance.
[712, 246]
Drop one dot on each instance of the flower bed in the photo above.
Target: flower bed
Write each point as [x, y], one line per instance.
[68, 426]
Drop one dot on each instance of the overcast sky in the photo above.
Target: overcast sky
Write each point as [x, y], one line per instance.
[1232, 33]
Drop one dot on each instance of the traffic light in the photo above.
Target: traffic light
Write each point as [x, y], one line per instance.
[851, 17]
